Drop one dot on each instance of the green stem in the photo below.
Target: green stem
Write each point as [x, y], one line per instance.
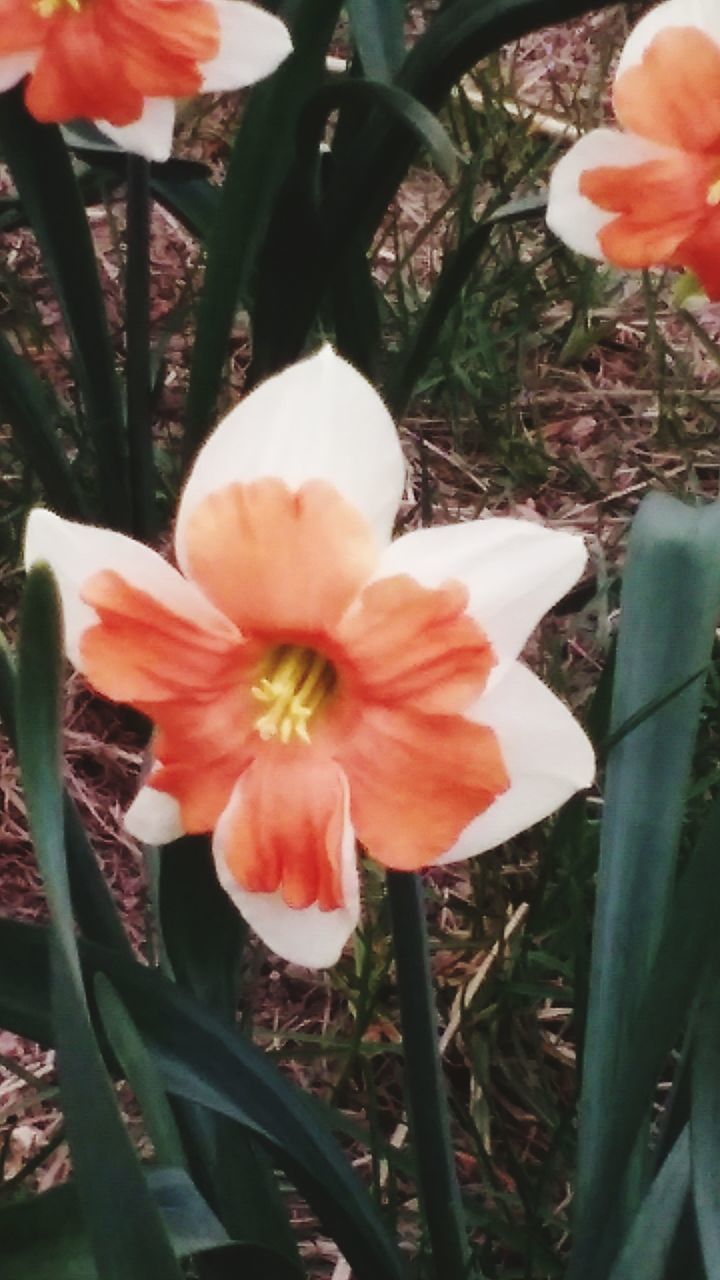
[426, 1092]
[137, 372]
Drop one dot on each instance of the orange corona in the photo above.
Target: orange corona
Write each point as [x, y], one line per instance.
[650, 196]
[312, 684]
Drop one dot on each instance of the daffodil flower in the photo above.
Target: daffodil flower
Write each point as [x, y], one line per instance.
[121, 63]
[650, 196]
[314, 684]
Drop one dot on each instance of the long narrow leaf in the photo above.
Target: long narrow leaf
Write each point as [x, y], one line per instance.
[375, 155]
[34, 416]
[377, 29]
[261, 157]
[132, 1245]
[672, 574]
[93, 905]
[42, 172]
[44, 1236]
[202, 936]
[705, 1119]
[662, 1013]
[205, 1061]
[646, 1250]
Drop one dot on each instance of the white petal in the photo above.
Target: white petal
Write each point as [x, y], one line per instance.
[546, 753]
[252, 44]
[305, 936]
[570, 215]
[317, 420]
[514, 571]
[151, 136]
[154, 817]
[14, 66]
[704, 14]
[77, 551]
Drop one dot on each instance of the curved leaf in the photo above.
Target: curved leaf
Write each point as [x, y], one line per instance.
[33, 415]
[207, 1062]
[377, 29]
[672, 573]
[262, 154]
[133, 1244]
[42, 172]
[645, 1252]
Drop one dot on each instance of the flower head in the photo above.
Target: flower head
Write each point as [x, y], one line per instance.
[650, 196]
[312, 683]
[121, 63]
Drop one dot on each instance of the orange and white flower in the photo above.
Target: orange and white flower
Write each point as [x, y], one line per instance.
[650, 196]
[312, 683]
[122, 63]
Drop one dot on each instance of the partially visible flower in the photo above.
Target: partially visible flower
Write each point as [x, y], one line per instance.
[312, 683]
[651, 196]
[121, 63]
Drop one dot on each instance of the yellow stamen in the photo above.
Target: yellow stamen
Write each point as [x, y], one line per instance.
[713, 195]
[293, 682]
[48, 8]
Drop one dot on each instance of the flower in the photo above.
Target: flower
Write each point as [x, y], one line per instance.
[121, 63]
[651, 196]
[312, 682]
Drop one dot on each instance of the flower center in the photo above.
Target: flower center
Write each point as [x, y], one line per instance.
[713, 195]
[293, 683]
[48, 8]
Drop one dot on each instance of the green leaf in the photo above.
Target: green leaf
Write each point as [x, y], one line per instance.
[205, 1061]
[672, 574]
[413, 361]
[292, 263]
[645, 1252]
[93, 905]
[34, 416]
[375, 154]
[202, 936]
[190, 197]
[141, 1074]
[393, 102]
[426, 1091]
[44, 1237]
[42, 172]
[377, 29]
[261, 157]
[131, 1245]
[705, 1119]
[202, 933]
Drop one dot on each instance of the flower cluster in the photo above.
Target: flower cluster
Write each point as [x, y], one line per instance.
[650, 196]
[314, 684]
[122, 63]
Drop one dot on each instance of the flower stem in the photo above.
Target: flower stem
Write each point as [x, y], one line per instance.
[426, 1093]
[137, 371]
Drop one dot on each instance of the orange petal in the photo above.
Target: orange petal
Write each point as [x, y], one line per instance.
[21, 28]
[161, 44]
[278, 561]
[287, 832]
[202, 788]
[80, 74]
[407, 643]
[701, 254]
[141, 651]
[416, 781]
[660, 203]
[673, 95]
